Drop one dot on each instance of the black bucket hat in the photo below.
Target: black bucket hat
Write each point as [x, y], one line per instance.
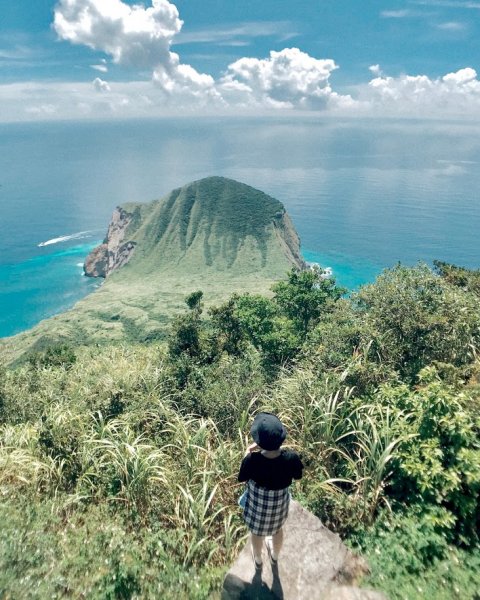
[267, 431]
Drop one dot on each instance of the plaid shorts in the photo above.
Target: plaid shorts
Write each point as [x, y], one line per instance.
[265, 510]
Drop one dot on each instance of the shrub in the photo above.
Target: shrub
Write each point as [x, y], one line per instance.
[416, 318]
[305, 296]
[61, 355]
[410, 559]
[439, 463]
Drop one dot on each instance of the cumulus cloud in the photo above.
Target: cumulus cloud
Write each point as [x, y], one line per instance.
[183, 86]
[287, 79]
[100, 85]
[454, 94]
[132, 35]
[141, 37]
[137, 37]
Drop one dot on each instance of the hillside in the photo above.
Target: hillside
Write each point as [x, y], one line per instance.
[215, 224]
[118, 463]
[215, 234]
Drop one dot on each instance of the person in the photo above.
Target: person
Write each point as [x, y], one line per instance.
[268, 471]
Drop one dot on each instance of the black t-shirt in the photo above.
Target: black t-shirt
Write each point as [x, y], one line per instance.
[271, 473]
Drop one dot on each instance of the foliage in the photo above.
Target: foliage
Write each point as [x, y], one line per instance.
[439, 464]
[61, 355]
[229, 333]
[93, 553]
[411, 560]
[135, 448]
[278, 327]
[185, 336]
[416, 318]
[304, 296]
[344, 346]
[466, 279]
[272, 334]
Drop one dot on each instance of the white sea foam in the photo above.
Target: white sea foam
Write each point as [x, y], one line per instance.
[79, 264]
[64, 238]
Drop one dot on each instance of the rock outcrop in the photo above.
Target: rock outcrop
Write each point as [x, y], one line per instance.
[314, 565]
[115, 251]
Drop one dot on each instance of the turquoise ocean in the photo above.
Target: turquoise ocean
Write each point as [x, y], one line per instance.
[363, 195]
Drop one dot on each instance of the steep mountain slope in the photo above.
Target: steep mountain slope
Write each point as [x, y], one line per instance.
[216, 234]
[215, 224]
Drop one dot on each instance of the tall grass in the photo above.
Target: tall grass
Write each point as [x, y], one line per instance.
[110, 434]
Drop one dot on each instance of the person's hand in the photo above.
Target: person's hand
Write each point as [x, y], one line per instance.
[252, 448]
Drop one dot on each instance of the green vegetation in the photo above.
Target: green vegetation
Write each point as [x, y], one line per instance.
[216, 234]
[118, 463]
[214, 222]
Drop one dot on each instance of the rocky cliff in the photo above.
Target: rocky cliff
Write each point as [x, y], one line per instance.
[115, 251]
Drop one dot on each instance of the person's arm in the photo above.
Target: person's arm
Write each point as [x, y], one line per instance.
[297, 467]
[245, 468]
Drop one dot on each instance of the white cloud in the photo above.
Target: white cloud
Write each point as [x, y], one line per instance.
[252, 86]
[453, 95]
[452, 170]
[101, 68]
[395, 14]
[17, 53]
[141, 37]
[229, 35]
[184, 87]
[100, 85]
[132, 35]
[452, 26]
[41, 110]
[449, 4]
[49, 100]
[287, 79]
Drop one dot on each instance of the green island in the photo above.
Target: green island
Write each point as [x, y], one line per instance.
[123, 421]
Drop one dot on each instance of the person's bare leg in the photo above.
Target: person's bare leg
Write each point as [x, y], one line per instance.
[257, 542]
[277, 542]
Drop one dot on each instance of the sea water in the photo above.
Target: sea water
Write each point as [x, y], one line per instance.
[363, 195]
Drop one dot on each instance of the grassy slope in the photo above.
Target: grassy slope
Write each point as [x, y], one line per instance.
[216, 235]
[115, 487]
[97, 519]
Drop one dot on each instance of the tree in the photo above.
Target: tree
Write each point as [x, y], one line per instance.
[416, 318]
[185, 335]
[305, 295]
[227, 326]
[467, 279]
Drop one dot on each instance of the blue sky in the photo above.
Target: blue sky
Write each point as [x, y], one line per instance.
[416, 57]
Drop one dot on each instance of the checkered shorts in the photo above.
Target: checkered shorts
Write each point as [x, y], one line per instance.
[265, 510]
